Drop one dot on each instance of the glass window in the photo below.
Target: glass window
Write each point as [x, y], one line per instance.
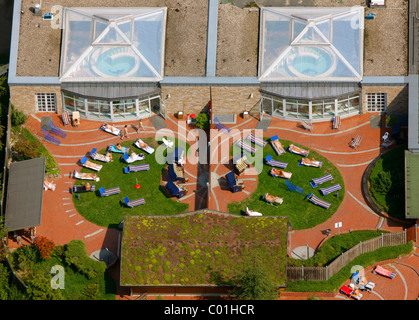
[69, 104]
[376, 102]
[329, 108]
[317, 109]
[342, 107]
[267, 105]
[113, 43]
[278, 107]
[311, 44]
[303, 110]
[143, 108]
[291, 108]
[45, 102]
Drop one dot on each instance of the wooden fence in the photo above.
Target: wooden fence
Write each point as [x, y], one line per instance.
[325, 273]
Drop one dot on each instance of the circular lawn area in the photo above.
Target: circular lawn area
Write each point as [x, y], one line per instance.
[302, 213]
[110, 211]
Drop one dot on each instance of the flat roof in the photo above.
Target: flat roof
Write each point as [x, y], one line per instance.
[411, 184]
[202, 248]
[25, 191]
[39, 42]
[185, 42]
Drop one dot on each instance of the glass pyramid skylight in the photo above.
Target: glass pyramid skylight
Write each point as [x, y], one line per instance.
[311, 44]
[113, 44]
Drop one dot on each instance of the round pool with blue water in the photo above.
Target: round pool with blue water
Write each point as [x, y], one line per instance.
[115, 62]
[311, 62]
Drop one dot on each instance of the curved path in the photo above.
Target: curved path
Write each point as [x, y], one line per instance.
[61, 222]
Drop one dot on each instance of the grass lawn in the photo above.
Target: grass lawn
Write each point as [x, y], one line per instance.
[391, 201]
[110, 211]
[302, 213]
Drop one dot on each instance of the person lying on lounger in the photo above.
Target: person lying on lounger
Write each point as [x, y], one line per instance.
[142, 145]
[278, 146]
[87, 187]
[109, 155]
[297, 149]
[92, 165]
[111, 128]
[271, 198]
[84, 175]
[281, 173]
[311, 162]
[119, 147]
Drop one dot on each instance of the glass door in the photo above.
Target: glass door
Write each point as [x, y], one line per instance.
[162, 109]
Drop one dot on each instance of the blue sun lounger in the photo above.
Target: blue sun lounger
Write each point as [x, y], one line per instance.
[232, 182]
[50, 138]
[142, 167]
[175, 190]
[82, 188]
[311, 197]
[97, 156]
[316, 182]
[57, 130]
[260, 142]
[108, 192]
[66, 118]
[221, 126]
[245, 146]
[387, 143]
[88, 164]
[134, 203]
[277, 146]
[331, 189]
[112, 148]
[336, 123]
[297, 150]
[307, 126]
[131, 159]
[274, 163]
[356, 142]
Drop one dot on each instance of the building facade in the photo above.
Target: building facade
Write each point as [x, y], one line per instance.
[122, 63]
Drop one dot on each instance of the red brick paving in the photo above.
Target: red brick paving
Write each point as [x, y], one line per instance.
[61, 223]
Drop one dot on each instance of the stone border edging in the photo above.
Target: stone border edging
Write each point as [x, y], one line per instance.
[367, 196]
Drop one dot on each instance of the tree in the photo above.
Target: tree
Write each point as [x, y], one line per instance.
[202, 121]
[255, 283]
[45, 246]
[39, 288]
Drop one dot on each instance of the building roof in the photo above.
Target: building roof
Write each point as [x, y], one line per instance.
[311, 44]
[113, 44]
[200, 248]
[38, 42]
[411, 184]
[25, 194]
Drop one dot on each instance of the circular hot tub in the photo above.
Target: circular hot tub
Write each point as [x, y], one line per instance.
[115, 62]
[311, 62]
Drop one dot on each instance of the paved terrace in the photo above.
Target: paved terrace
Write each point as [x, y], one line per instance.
[62, 223]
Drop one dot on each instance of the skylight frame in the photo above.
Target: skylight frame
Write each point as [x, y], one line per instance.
[296, 15]
[128, 14]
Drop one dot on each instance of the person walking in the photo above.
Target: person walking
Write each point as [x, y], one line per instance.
[125, 132]
[140, 125]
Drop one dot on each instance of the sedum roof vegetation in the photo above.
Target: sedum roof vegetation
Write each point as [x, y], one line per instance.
[202, 248]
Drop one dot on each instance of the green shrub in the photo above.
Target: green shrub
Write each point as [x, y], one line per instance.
[202, 121]
[29, 147]
[18, 117]
[382, 183]
[76, 256]
[25, 150]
